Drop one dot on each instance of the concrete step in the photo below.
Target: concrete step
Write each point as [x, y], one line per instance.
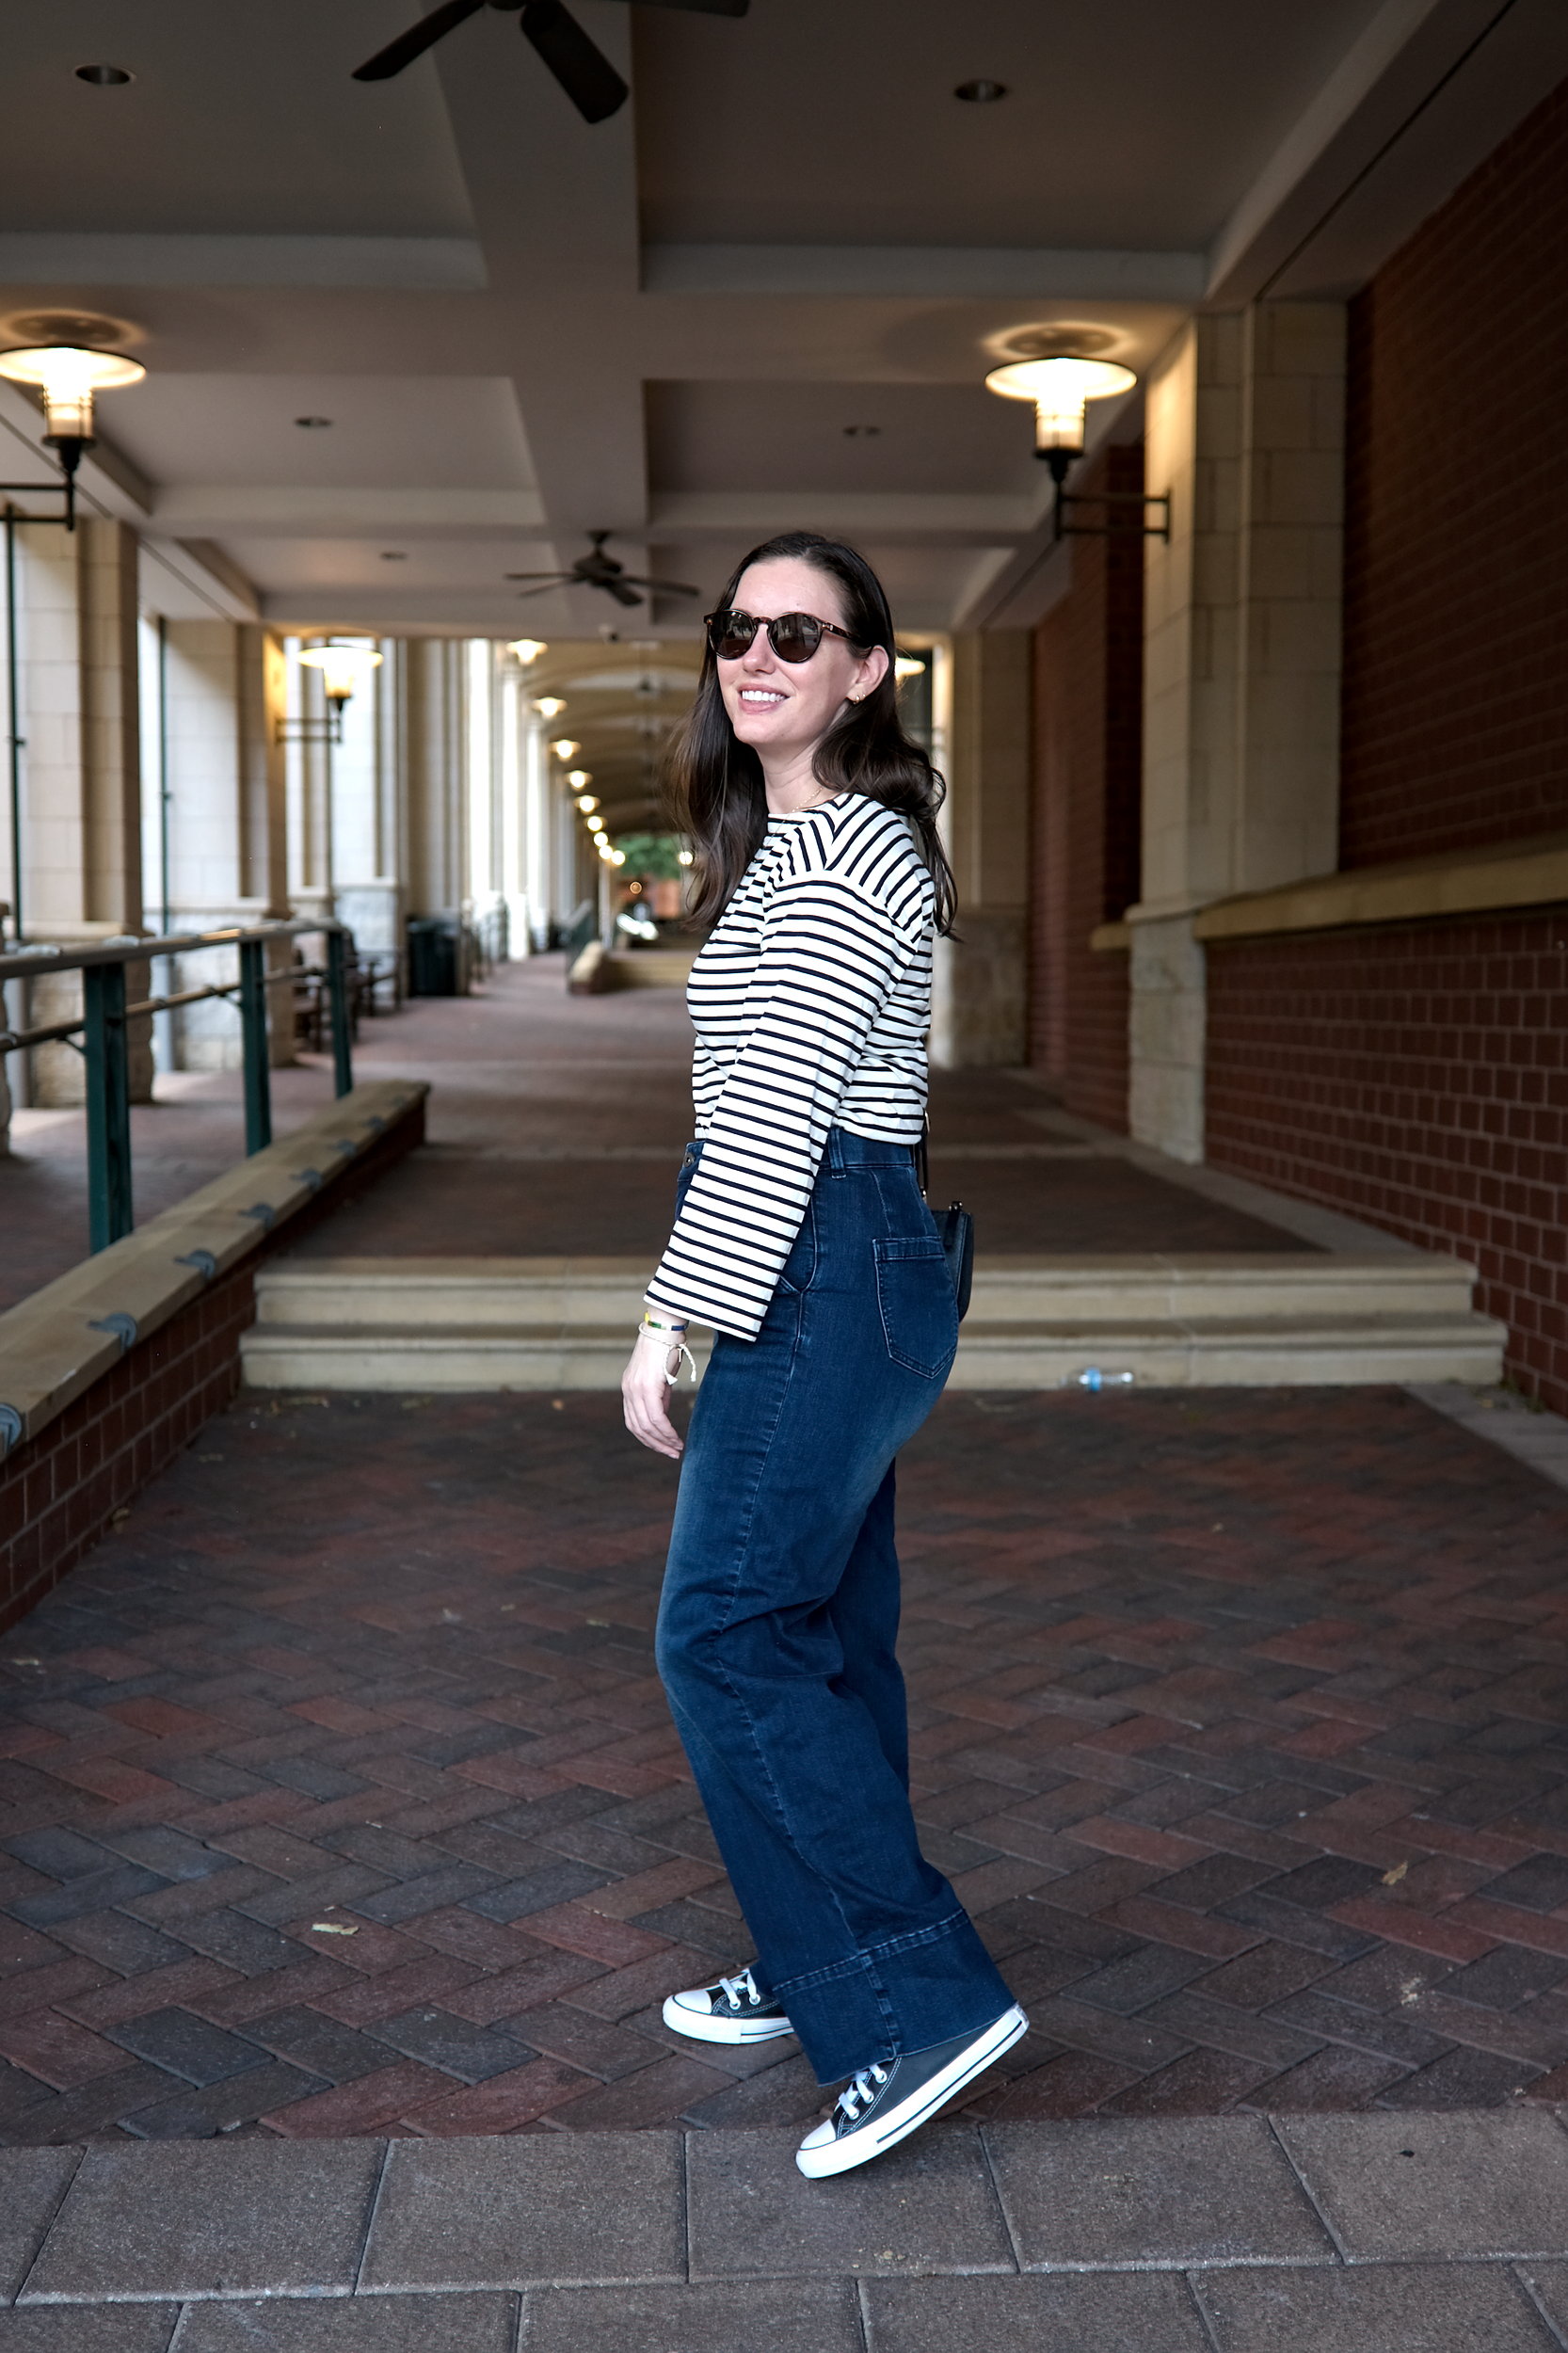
[1147, 1288]
[477, 1324]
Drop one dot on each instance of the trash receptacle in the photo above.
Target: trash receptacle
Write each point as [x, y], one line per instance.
[433, 955]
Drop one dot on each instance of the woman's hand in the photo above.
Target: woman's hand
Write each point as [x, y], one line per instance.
[645, 1388]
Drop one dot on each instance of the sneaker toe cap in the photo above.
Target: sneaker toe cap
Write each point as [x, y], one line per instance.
[821, 2136]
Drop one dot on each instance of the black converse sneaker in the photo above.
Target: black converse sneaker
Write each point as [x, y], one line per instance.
[891, 2098]
[730, 2011]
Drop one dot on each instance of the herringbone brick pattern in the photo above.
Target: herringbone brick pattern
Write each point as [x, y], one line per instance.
[338, 1796]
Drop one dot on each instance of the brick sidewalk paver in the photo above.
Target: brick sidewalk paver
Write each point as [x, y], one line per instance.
[338, 1796]
[1223, 2235]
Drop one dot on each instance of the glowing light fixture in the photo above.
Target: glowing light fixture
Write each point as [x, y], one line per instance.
[1060, 389]
[617, 857]
[550, 706]
[588, 803]
[908, 665]
[563, 748]
[579, 778]
[683, 857]
[527, 649]
[344, 664]
[67, 376]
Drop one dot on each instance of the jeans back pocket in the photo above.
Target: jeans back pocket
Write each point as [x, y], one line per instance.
[920, 1313]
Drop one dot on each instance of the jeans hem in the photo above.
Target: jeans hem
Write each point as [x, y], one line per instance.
[865, 1955]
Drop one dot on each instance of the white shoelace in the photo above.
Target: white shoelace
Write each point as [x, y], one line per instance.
[861, 2092]
[742, 1987]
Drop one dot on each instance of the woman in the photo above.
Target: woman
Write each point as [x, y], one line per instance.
[802, 1237]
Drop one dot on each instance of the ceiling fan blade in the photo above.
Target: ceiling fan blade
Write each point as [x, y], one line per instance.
[554, 578]
[545, 587]
[583, 69]
[617, 589]
[416, 40]
[665, 587]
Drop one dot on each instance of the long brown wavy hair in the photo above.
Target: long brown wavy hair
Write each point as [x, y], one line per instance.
[713, 783]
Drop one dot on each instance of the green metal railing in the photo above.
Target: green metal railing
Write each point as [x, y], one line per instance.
[102, 1034]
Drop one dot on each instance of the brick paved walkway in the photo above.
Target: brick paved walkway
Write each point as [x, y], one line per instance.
[337, 1795]
[543, 1102]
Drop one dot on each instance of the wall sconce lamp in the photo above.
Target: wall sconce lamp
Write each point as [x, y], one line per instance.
[580, 778]
[527, 649]
[587, 804]
[563, 748]
[550, 706]
[345, 663]
[1060, 389]
[67, 375]
[908, 665]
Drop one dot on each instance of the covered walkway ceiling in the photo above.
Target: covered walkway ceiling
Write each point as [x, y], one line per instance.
[763, 293]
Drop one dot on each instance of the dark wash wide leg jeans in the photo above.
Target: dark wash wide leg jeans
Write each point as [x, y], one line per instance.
[779, 1618]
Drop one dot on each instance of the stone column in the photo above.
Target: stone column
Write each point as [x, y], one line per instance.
[82, 809]
[978, 1012]
[433, 751]
[262, 684]
[508, 771]
[368, 893]
[222, 820]
[538, 877]
[1241, 662]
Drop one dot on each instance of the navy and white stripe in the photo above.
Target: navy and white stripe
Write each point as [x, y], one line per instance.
[810, 999]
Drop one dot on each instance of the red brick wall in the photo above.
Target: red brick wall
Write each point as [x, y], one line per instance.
[1087, 790]
[59, 1491]
[1417, 1077]
[1456, 583]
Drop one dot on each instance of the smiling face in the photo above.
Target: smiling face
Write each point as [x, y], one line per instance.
[784, 709]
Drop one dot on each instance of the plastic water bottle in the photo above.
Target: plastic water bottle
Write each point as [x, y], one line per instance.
[1093, 1378]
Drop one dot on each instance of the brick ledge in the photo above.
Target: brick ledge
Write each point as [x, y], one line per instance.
[55, 1344]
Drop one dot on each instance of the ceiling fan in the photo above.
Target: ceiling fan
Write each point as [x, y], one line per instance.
[581, 67]
[598, 570]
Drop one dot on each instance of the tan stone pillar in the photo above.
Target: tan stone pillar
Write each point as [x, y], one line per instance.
[433, 751]
[80, 713]
[978, 1012]
[1241, 662]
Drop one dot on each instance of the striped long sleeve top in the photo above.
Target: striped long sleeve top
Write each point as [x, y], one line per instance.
[810, 999]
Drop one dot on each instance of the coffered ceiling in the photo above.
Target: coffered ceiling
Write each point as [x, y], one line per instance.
[764, 295]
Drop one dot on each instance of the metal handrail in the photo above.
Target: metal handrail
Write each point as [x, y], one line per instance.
[106, 1016]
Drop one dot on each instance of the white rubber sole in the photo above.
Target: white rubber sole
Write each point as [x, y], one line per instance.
[701, 2027]
[872, 2140]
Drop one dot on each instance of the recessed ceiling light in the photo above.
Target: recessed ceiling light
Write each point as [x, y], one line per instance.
[105, 76]
[314, 424]
[394, 555]
[861, 432]
[981, 93]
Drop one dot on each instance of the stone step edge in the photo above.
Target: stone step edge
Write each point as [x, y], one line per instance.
[1000, 1268]
[1195, 1331]
[1471, 1356]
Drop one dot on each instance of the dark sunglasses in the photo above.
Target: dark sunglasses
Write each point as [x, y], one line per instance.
[793, 636]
